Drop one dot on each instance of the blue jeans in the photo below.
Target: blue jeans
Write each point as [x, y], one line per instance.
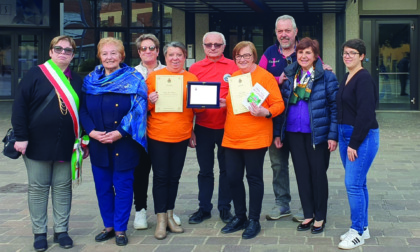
[280, 165]
[356, 172]
[207, 139]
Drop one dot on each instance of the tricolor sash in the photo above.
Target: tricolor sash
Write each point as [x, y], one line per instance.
[71, 100]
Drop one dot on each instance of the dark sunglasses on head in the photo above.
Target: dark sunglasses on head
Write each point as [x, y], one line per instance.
[67, 50]
[210, 45]
[144, 48]
[289, 60]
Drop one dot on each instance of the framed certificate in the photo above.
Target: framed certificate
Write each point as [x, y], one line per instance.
[203, 94]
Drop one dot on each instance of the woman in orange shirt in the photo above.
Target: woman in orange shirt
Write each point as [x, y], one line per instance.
[168, 136]
[246, 139]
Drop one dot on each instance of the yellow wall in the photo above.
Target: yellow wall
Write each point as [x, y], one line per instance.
[201, 27]
[352, 20]
[178, 25]
[329, 39]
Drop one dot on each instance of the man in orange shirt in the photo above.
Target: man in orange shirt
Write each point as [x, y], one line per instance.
[209, 129]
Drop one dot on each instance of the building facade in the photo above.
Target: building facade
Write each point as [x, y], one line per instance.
[389, 28]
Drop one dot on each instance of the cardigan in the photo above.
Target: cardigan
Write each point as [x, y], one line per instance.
[356, 104]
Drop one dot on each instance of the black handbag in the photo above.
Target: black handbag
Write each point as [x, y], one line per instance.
[10, 139]
[9, 145]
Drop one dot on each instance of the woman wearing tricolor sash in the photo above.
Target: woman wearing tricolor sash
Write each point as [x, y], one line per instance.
[114, 113]
[46, 140]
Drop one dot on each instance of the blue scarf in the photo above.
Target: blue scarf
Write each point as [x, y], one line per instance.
[125, 80]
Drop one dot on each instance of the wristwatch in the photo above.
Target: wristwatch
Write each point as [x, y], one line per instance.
[269, 115]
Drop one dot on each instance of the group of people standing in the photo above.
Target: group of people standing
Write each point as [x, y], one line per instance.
[306, 113]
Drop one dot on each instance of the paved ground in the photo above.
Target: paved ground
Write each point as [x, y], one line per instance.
[393, 181]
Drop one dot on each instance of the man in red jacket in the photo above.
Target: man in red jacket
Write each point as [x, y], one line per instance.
[209, 128]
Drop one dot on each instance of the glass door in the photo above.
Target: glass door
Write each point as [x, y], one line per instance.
[6, 69]
[391, 43]
[28, 51]
[394, 49]
[18, 53]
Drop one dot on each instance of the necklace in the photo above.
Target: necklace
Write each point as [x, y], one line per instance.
[61, 104]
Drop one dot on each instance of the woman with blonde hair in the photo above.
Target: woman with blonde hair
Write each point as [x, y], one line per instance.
[113, 113]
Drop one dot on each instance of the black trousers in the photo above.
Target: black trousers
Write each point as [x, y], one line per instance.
[141, 180]
[207, 139]
[237, 161]
[167, 164]
[311, 165]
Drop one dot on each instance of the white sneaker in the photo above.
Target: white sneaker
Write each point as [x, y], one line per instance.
[365, 235]
[140, 221]
[352, 240]
[177, 219]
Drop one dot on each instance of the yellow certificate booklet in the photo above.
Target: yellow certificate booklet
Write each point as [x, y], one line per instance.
[239, 88]
[170, 89]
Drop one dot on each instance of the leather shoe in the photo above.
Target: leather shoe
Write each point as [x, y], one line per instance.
[234, 225]
[121, 239]
[104, 235]
[304, 227]
[199, 216]
[63, 239]
[317, 230]
[225, 215]
[40, 242]
[252, 230]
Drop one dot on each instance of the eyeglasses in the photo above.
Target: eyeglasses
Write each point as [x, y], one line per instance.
[144, 48]
[289, 60]
[245, 56]
[59, 49]
[210, 45]
[349, 54]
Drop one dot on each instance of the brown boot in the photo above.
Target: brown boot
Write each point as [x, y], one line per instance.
[161, 224]
[173, 227]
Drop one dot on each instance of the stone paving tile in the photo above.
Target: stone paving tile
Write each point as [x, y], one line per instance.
[392, 241]
[292, 240]
[324, 248]
[319, 241]
[153, 240]
[174, 248]
[415, 232]
[238, 248]
[192, 240]
[389, 249]
[260, 240]
[223, 240]
[207, 248]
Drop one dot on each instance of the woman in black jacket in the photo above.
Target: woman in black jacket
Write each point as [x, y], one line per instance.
[47, 141]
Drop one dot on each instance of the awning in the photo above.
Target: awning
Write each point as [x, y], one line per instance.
[258, 6]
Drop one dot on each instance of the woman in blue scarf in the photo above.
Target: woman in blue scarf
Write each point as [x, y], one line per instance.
[114, 112]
